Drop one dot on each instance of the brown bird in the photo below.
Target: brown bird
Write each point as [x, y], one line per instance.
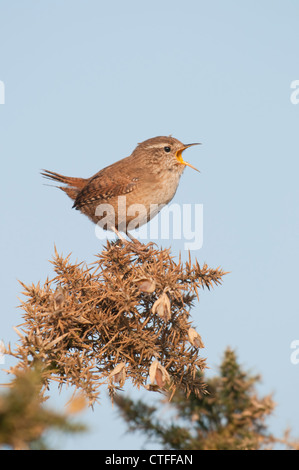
[142, 183]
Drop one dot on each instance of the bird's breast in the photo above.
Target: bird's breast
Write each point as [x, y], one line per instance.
[139, 205]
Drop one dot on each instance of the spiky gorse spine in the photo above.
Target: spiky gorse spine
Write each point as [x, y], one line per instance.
[127, 316]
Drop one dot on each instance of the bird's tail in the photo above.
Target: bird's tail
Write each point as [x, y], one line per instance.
[74, 185]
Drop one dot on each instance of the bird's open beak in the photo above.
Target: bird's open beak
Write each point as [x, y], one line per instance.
[180, 158]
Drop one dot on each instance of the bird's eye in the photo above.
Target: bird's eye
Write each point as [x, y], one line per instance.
[167, 149]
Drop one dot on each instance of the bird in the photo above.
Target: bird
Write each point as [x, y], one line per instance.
[143, 183]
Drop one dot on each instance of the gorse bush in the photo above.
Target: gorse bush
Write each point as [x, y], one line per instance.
[126, 316]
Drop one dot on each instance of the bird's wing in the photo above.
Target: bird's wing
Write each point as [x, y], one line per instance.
[103, 187]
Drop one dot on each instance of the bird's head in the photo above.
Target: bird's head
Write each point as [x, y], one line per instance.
[164, 152]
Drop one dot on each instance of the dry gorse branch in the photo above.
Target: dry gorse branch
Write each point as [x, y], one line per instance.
[125, 316]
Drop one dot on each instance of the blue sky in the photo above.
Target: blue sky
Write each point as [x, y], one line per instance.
[84, 82]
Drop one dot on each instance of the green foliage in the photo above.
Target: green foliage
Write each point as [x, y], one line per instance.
[24, 419]
[230, 416]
